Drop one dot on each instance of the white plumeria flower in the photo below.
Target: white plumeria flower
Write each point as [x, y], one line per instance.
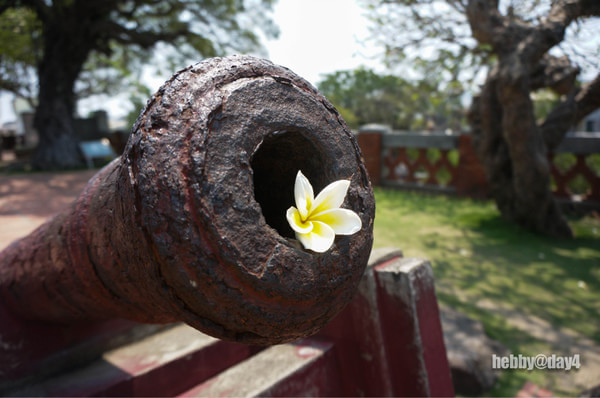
[316, 221]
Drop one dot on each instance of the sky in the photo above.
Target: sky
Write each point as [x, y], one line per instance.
[321, 36]
[316, 37]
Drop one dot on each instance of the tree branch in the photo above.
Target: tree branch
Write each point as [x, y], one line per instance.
[484, 19]
[144, 39]
[552, 30]
[556, 73]
[490, 27]
[130, 14]
[19, 90]
[565, 115]
[38, 6]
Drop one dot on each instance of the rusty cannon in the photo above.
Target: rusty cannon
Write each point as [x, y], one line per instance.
[195, 222]
[189, 224]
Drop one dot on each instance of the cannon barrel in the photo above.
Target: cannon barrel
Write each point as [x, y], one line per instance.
[189, 223]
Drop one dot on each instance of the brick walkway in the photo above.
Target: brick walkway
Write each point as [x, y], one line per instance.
[26, 200]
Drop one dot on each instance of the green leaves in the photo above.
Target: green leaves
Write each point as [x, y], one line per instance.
[116, 38]
[20, 50]
[363, 96]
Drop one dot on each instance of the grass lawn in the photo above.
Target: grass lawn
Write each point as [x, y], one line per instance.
[481, 260]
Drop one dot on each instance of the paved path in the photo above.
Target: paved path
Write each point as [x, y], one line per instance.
[26, 200]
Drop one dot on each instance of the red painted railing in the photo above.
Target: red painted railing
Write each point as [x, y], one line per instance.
[418, 160]
[447, 163]
[575, 167]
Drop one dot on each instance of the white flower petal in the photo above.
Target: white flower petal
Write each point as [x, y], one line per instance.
[319, 239]
[295, 221]
[342, 221]
[303, 194]
[331, 197]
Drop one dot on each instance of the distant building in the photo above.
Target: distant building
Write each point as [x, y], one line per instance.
[591, 123]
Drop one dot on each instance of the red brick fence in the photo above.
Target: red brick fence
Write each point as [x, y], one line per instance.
[447, 163]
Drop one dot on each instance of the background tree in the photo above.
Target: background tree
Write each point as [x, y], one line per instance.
[93, 46]
[20, 33]
[520, 46]
[363, 96]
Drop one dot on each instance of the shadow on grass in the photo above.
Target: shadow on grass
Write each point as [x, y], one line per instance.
[525, 288]
[476, 252]
[550, 278]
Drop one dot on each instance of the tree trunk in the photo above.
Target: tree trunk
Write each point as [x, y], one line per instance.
[512, 149]
[57, 72]
[508, 140]
[57, 148]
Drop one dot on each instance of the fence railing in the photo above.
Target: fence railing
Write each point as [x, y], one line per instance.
[575, 167]
[418, 160]
[447, 163]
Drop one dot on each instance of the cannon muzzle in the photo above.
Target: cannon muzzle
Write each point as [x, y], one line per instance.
[189, 224]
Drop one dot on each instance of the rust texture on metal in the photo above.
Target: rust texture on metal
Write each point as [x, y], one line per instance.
[189, 223]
